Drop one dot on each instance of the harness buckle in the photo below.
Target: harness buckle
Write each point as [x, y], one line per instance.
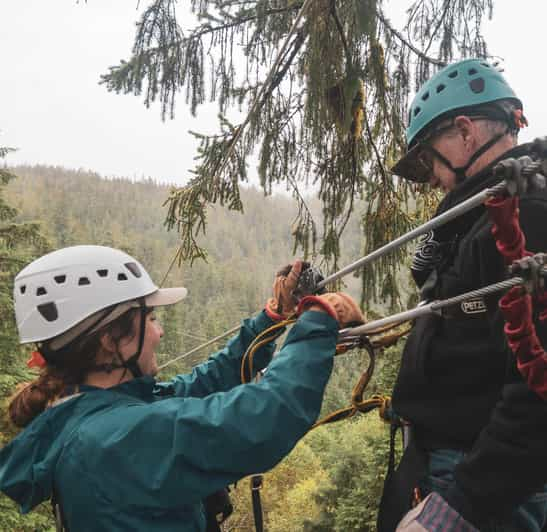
[256, 482]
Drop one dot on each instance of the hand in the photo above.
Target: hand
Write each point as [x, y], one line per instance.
[283, 302]
[434, 514]
[340, 306]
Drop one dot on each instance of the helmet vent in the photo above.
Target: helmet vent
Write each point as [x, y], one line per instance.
[48, 311]
[83, 281]
[485, 65]
[477, 85]
[41, 291]
[133, 268]
[440, 87]
[60, 279]
[425, 96]
[102, 273]
[122, 277]
[23, 288]
[417, 110]
[453, 74]
[472, 71]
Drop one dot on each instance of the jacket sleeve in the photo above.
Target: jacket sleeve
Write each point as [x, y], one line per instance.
[182, 449]
[221, 371]
[508, 462]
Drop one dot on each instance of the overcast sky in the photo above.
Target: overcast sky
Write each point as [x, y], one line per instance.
[53, 109]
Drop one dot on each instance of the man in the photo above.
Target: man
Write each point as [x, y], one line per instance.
[478, 431]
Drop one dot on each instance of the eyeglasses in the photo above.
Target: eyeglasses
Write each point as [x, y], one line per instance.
[425, 161]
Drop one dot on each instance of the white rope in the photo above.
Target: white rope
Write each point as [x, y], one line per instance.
[216, 339]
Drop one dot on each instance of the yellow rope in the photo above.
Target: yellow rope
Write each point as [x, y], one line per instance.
[265, 337]
[358, 404]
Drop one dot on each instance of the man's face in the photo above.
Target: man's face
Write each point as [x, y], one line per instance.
[450, 144]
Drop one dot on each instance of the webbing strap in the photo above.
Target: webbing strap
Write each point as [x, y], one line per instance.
[60, 524]
[256, 486]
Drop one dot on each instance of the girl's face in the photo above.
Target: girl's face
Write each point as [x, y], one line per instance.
[152, 336]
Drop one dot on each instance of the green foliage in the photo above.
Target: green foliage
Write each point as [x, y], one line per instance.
[330, 110]
[19, 243]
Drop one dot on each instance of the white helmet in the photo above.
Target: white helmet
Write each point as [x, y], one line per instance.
[64, 292]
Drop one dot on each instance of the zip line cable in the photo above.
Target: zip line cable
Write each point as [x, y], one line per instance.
[435, 307]
[519, 175]
[443, 218]
[216, 339]
[447, 216]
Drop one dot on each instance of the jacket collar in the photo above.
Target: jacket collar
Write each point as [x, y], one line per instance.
[141, 388]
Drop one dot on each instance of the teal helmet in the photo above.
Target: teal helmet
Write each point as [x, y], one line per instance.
[468, 87]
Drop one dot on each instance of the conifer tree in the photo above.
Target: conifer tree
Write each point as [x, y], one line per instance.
[331, 112]
[19, 243]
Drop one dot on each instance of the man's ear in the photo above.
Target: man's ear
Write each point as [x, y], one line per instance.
[107, 343]
[468, 131]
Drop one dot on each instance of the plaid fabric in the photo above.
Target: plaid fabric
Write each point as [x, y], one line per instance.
[438, 516]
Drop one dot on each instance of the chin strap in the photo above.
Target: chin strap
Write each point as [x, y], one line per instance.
[132, 363]
[461, 170]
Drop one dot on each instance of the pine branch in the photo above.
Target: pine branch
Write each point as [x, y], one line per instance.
[401, 38]
[375, 148]
[344, 72]
[341, 32]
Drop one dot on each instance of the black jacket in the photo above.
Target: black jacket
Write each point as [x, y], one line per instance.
[458, 383]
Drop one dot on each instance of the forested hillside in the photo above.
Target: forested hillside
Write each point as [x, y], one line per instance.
[332, 480]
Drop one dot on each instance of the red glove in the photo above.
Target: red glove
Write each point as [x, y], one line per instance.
[510, 240]
[523, 341]
[338, 305]
[283, 302]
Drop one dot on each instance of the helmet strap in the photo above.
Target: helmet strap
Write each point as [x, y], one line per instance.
[460, 171]
[132, 362]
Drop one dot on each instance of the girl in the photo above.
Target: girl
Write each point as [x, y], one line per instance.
[120, 451]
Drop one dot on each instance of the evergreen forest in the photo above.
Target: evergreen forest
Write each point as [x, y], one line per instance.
[332, 480]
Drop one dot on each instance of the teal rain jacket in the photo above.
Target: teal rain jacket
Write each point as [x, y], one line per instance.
[143, 455]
